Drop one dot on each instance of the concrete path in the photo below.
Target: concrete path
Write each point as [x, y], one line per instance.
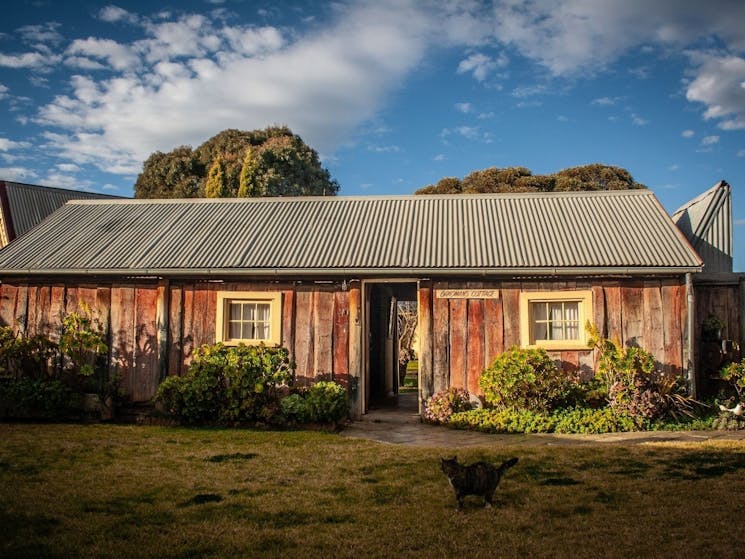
[404, 427]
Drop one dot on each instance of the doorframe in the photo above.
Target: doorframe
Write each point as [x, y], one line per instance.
[365, 288]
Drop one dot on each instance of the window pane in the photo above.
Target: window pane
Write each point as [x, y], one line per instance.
[262, 330]
[556, 311]
[235, 311]
[539, 311]
[234, 330]
[262, 312]
[248, 311]
[539, 331]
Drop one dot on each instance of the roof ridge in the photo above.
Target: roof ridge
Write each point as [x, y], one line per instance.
[392, 197]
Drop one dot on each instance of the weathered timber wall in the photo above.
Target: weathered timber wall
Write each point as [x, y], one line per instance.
[152, 329]
[460, 337]
[721, 295]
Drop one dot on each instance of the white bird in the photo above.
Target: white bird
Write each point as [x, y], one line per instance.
[738, 410]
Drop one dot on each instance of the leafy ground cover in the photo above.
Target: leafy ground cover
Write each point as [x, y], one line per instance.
[129, 491]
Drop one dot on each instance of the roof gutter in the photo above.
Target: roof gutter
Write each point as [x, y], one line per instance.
[402, 271]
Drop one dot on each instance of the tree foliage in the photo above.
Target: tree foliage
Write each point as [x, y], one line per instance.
[268, 162]
[216, 185]
[519, 179]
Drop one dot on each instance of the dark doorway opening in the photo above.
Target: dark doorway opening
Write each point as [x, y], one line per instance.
[392, 376]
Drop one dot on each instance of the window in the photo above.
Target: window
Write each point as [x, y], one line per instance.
[249, 317]
[555, 319]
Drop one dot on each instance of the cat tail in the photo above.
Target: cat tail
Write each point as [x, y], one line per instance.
[507, 464]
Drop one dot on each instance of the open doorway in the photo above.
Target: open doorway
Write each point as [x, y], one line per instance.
[391, 378]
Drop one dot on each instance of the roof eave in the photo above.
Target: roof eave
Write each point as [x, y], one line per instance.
[353, 272]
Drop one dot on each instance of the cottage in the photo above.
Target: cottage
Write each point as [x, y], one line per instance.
[321, 276]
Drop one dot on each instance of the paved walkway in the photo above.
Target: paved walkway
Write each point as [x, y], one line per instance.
[402, 426]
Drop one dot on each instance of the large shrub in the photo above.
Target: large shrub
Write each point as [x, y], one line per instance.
[526, 379]
[229, 384]
[634, 385]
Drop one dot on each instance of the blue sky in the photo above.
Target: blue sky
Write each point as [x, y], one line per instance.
[393, 94]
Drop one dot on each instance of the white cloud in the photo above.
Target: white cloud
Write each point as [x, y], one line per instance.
[61, 180]
[464, 108]
[709, 140]
[384, 149]
[110, 187]
[83, 63]
[17, 173]
[114, 14]
[741, 153]
[480, 65]
[718, 85]
[605, 101]
[636, 120]
[68, 167]
[674, 167]
[439, 157]
[119, 57]
[3, 91]
[28, 60]
[44, 33]
[7, 145]
[688, 133]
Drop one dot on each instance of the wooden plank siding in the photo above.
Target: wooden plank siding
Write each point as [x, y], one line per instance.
[470, 333]
[322, 329]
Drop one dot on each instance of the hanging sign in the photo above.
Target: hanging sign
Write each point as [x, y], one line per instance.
[467, 293]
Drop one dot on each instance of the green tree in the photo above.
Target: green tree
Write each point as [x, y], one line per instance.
[291, 166]
[520, 179]
[216, 186]
[246, 182]
[284, 166]
[170, 175]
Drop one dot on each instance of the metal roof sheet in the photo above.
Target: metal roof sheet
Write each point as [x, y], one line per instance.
[29, 204]
[593, 232]
[706, 221]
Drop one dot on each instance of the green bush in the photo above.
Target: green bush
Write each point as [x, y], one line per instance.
[326, 402]
[35, 398]
[229, 384]
[491, 420]
[734, 374]
[526, 379]
[570, 420]
[81, 343]
[294, 409]
[635, 387]
[592, 421]
[441, 405]
[26, 356]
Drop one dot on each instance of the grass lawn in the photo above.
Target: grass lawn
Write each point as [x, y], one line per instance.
[129, 491]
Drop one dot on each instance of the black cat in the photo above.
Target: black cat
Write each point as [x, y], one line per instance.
[480, 478]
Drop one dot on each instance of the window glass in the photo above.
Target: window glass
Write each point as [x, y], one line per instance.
[555, 320]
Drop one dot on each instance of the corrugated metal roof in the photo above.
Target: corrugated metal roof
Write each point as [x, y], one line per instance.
[593, 232]
[706, 221]
[29, 204]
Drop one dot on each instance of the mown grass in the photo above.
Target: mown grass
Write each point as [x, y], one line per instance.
[153, 492]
